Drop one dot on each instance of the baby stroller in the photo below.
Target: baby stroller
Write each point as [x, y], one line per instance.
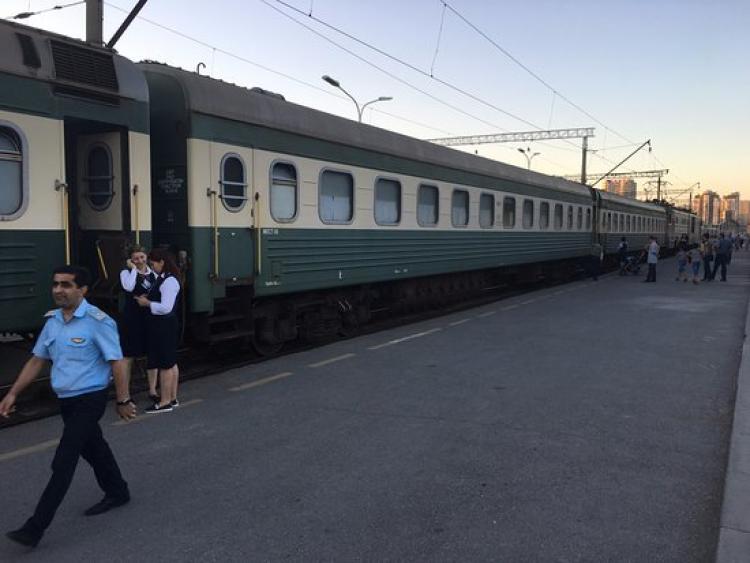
[631, 265]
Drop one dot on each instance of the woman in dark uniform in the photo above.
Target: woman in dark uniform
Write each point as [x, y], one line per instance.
[136, 279]
[163, 327]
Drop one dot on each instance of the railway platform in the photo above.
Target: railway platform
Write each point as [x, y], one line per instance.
[586, 422]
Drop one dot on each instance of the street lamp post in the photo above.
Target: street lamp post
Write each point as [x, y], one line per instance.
[360, 109]
[529, 155]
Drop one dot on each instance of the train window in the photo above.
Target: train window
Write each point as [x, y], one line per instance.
[283, 192]
[486, 210]
[509, 212]
[588, 219]
[579, 218]
[336, 197]
[609, 221]
[544, 215]
[621, 223]
[558, 216]
[627, 224]
[387, 202]
[528, 214]
[98, 178]
[460, 208]
[640, 224]
[570, 217]
[233, 184]
[427, 205]
[604, 220]
[11, 172]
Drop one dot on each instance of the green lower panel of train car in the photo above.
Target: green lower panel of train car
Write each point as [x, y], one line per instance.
[236, 259]
[302, 259]
[27, 259]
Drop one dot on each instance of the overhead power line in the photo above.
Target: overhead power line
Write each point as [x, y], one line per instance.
[25, 15]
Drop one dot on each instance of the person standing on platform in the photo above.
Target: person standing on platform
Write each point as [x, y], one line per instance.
[707, 252]
[682, 263]
[163, 328]
[652, 251]
[695, 259]
[136, 279]
[595, 260]
[82, 343]
[622, 255]
[723, 256]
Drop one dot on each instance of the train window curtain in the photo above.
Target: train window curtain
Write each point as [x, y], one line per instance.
[427, 206]
[336, 199]
[283, 192]
[387, 202]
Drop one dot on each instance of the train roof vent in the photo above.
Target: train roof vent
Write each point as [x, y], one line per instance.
[28, 49]
[84, 66]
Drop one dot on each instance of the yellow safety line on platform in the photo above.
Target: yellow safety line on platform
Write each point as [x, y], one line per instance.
[260, 382]
[404, 339]
[330, 360]
[29, 450]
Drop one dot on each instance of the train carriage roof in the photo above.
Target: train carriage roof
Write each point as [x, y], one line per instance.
[213, 97]
[611, 200]
[71, 66]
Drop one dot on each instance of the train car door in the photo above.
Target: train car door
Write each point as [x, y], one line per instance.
[99, 202]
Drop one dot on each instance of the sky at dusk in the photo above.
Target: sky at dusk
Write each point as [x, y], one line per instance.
[675, 72]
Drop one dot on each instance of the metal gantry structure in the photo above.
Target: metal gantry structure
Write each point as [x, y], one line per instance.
[525, 136]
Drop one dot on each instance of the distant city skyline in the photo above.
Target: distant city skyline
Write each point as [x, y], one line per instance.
[681, 79]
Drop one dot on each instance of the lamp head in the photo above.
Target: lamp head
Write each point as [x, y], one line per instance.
[384, 98]
[332, 81]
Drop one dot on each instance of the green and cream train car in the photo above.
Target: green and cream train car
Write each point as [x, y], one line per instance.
[634, 220]
[294, 219]
[74, 148]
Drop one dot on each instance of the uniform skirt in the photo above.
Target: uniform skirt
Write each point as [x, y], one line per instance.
[134, 332]
[162, 350]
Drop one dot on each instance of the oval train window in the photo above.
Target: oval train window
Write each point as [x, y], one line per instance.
[233, 185]
[99, 177]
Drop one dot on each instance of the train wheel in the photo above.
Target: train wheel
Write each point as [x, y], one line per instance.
[266, 349]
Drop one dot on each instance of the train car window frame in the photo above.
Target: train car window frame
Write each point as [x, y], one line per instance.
[427, 206]
[527, 214]
[282, 182]
[464, 207]
[627, 223]
[558, 217]
[223, 183]
[579, 218]
[484, 197]
[107, 179]
[621, 223]
[544, 215]
[588, 218]
[380, 182]
[609, 221]
[569, 217]
[339, 173]
[11, 159]
[509, 212]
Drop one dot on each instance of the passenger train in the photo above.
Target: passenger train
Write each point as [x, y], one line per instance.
[288, 222]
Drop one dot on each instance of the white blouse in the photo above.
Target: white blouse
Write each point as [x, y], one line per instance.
[129, 277]
[169, 290]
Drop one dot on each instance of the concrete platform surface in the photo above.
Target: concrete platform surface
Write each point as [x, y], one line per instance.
[587, 422]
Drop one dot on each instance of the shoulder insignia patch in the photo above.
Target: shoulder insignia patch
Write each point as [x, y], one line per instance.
[50, 313]
[98, 314]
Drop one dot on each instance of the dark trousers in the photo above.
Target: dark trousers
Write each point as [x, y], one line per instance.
[595, 264]
[707, 268]
[720, 261]
[651, 273]
[82, 437]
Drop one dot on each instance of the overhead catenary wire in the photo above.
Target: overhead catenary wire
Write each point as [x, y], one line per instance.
[406, 64]
[215, 49]
[29, 13]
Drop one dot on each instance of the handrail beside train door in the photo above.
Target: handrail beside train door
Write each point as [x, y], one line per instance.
[62, 187]
[257, 208]
[136, 222]
[214, 213]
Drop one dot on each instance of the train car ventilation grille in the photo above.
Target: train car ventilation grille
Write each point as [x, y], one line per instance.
[28, 50]
[84, 66]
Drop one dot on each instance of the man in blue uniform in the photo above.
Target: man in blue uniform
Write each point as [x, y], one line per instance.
[83, 345]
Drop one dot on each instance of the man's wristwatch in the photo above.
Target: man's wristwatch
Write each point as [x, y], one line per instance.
[125, 402]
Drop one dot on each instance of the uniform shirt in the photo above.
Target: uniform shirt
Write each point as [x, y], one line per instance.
[128, 279]
[653, 253]
[724, 247]
[80, 350]
[169, 288]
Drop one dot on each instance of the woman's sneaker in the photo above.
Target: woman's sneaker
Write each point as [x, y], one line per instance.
[156, 408]
[174, 404]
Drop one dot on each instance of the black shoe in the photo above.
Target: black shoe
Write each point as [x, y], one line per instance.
[154, 398]
[174, 404]
[25, 536]
[107, 503]
[156, 408]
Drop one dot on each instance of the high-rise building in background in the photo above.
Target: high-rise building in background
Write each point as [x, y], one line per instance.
[744, 215]
[730, 209]
[708, 207]
[626, 187]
